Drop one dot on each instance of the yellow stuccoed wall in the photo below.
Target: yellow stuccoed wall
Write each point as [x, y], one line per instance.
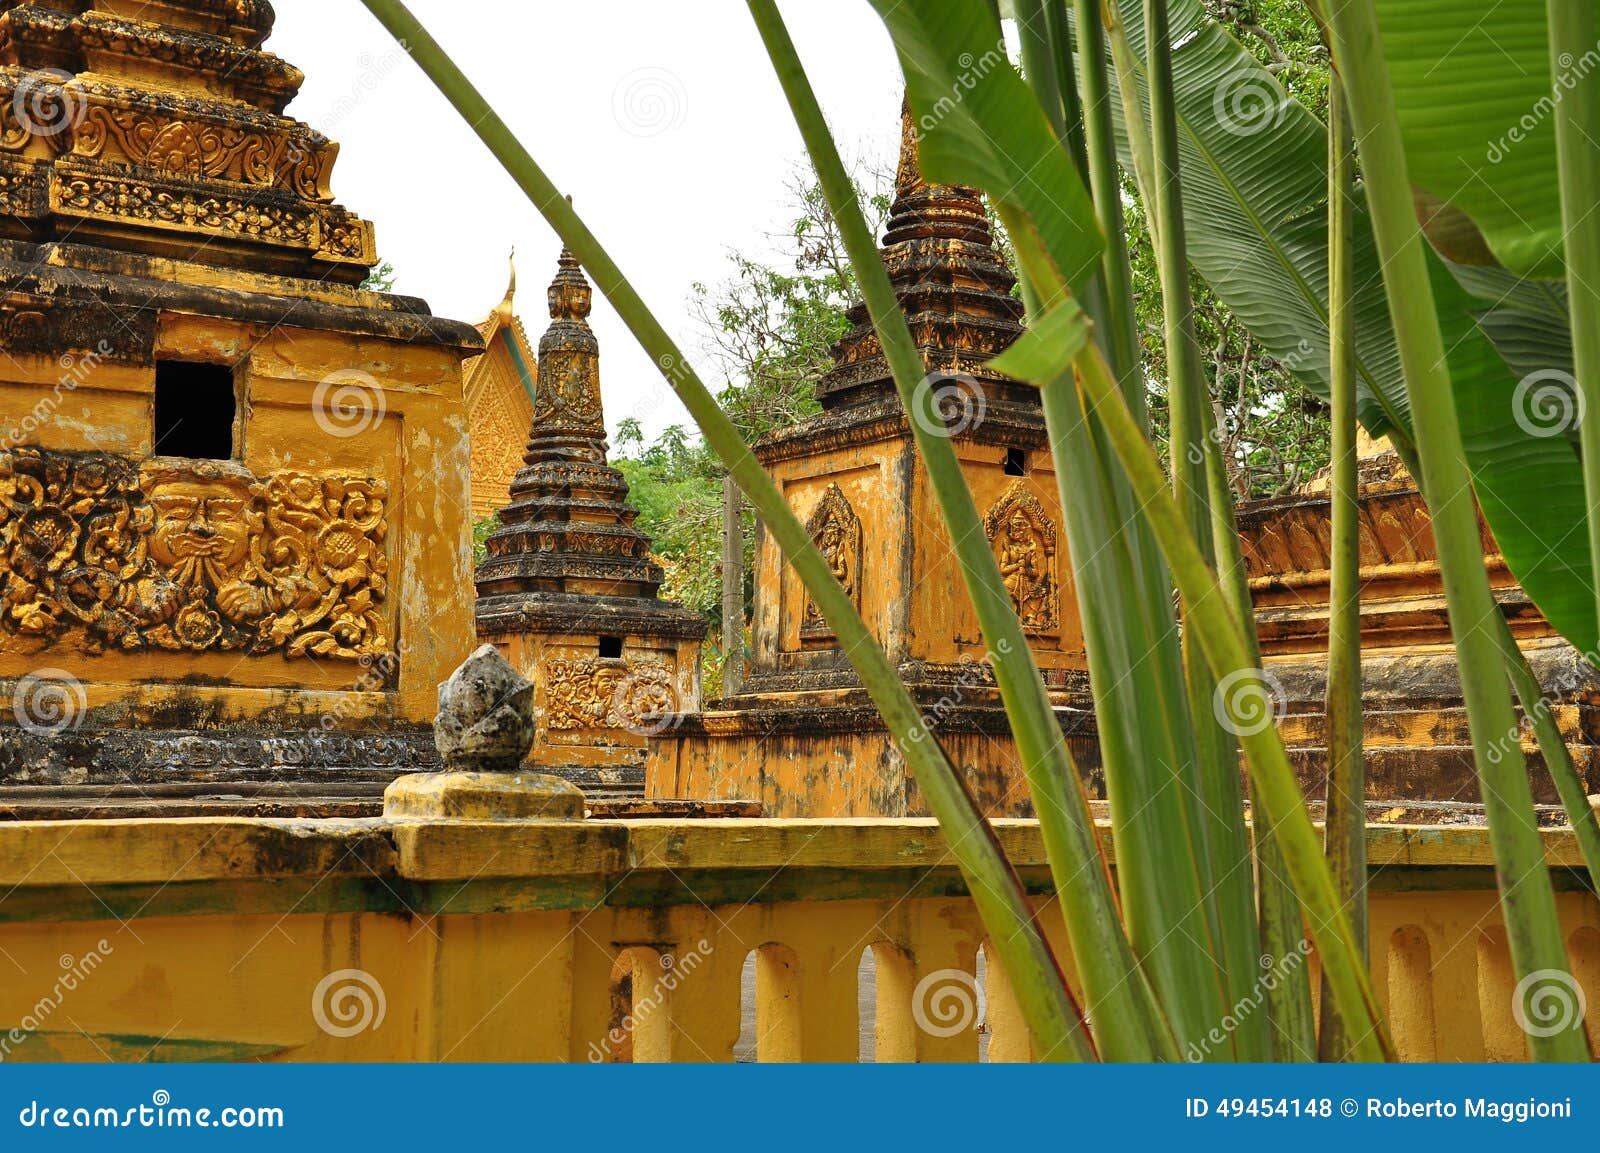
[226, 939]
[416, 445]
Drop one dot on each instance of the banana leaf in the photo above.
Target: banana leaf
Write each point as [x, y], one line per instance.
[1255, 182]
[1476, 103]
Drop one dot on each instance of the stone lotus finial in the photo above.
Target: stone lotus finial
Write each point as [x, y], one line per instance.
[485, 720]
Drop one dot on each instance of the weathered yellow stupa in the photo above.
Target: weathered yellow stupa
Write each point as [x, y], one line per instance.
[802, 736]
[1418, 750]
[233, 486]
[499, 387]
[568, 591]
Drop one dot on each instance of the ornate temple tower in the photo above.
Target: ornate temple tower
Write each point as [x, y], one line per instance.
[854, 476]
[234, 538]
[568, 591]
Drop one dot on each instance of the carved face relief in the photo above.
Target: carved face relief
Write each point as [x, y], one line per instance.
[202, 530]
[590, 693]
[190, 561]
[1024, 540]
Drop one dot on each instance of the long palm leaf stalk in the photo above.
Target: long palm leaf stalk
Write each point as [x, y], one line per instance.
[1553, 747]
[1132, 640]
[1056, 353]
[1050, 75]
[1199, 481]
[1527, 898]
[1345, 832]
[1150, 743]
[1127, 1024]
[1578, 161]
[1042, 993]
[1047, 64]
[1134, 121]
[1120, 333]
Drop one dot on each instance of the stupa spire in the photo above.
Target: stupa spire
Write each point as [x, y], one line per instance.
[568, 526]
[951, 281]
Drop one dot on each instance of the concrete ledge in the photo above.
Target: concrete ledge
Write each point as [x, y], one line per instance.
[39, 854]
[518, 796]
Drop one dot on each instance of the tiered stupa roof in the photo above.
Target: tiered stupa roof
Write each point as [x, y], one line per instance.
[953, 287]
[569, 527]
[159, 128]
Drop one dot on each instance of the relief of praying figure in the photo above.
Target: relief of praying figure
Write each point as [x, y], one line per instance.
[836, 530]
[1024, 539]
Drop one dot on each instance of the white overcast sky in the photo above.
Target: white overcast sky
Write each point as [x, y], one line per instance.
[662, 120]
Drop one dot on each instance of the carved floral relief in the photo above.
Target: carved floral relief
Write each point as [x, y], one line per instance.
[595, 693]
[836, 531]
[195, 150]
[1024, 539]
[95, 550]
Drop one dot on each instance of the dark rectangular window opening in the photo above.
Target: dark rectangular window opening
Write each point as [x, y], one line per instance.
[610, 648]
[195, 410]
[1016, 462]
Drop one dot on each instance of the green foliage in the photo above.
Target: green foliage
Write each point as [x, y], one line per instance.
[1274, 431]
[380, 279]
[480, 536]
